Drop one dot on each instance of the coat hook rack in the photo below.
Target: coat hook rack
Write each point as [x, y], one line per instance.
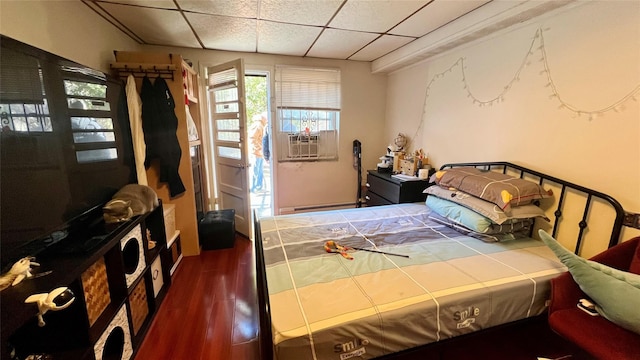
[140, 70]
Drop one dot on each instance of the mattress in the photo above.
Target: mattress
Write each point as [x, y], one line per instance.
[326, 306]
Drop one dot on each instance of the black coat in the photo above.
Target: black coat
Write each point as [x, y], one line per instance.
[159, 123]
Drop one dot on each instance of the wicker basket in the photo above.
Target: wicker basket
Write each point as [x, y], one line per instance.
[96, 290]
[139, 306]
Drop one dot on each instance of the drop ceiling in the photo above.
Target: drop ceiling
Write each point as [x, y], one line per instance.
[360, 30]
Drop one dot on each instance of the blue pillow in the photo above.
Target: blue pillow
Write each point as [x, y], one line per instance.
[615, 292]
[472, 220]
[486, 208]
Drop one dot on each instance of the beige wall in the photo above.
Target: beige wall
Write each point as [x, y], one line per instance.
[362, 118]
[66, 28]
[593, 56]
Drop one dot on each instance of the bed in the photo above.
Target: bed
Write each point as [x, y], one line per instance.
[432, 282]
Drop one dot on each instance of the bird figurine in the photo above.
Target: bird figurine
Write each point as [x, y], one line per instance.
[58, 299]
[18, 272]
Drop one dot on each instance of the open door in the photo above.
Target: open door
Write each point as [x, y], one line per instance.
[225, 93]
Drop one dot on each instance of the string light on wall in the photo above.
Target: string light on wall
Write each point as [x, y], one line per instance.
[616, 106]
[592, 114]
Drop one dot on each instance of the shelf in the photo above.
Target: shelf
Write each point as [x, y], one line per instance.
[190, 80]
[192, 99]
[175, 265]
[173, 238]
[73, 332]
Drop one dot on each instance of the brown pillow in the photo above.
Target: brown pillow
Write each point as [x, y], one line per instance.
[501, 189]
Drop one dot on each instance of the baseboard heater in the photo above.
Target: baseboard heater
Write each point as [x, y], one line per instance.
[308, 208]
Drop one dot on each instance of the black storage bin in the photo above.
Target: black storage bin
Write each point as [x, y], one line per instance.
[217, 229]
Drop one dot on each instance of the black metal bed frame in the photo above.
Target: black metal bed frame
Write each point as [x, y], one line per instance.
[565, 185]
[621, 218]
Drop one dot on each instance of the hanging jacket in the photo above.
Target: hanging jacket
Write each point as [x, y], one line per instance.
[160, 123]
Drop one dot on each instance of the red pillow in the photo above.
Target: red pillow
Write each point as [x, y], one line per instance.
[635, 261]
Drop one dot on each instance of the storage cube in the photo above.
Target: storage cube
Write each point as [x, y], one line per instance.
[169, 211]
[217, 229]
[156, 276]
[115, 341]
[96, 290]
[133, 255]
[175, 249]
[139, 306]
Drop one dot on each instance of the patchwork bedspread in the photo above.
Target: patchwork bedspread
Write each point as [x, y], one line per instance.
[325, 306]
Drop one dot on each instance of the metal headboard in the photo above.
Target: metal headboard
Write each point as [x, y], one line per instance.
[507, 167]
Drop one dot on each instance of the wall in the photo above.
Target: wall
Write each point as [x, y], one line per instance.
[362, 118]
[591, 54]
[66, 28]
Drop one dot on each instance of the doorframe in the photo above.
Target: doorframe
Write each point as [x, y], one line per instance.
[234, 190]
[267, 70]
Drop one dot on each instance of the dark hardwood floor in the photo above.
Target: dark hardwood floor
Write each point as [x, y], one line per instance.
[210, 312]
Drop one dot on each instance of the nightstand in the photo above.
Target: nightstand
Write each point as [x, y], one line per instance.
[383, 189]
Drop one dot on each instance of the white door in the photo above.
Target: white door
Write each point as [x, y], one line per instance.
[225, 93]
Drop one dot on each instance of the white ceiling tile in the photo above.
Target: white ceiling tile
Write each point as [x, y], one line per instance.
[339, 44]
[151, 25]
[382, 46]
[299, 38]
[435, 15]
[375, 16]
[288, 27]
[235, 8]
[161, 4]
[310, 12]
[224, 33]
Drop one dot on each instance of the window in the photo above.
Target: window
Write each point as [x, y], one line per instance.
[23, 105]
[308, 113]
[90, 115]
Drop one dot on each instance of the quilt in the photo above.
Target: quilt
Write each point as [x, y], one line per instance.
[327, 306]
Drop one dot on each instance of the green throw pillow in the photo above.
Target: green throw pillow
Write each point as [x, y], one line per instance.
[616, 293]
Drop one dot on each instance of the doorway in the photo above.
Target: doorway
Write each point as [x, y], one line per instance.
[259, 132]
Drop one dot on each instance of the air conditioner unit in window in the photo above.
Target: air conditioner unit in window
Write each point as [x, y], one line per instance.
[302, 146]
[320, 145]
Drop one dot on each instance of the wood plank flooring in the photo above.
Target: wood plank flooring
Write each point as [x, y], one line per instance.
[210, 311]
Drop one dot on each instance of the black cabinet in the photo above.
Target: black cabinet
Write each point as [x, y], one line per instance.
[118, 285]
[384, 189]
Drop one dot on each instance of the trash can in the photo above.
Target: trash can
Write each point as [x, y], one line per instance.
[217, 229]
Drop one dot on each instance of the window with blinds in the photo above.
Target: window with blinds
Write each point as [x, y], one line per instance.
[23, 104]
[308, 113]
[90, 113]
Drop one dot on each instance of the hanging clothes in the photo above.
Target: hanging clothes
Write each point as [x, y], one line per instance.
[122, 119]
[160, 123]
[135, 122]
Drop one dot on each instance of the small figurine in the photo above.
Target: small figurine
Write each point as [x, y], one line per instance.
[58, 299]
[20, 270]
[150, 243]
[400, 141]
